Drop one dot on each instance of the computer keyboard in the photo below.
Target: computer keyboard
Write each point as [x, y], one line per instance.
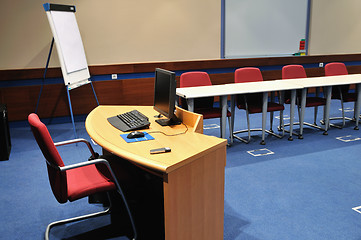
[129, 121]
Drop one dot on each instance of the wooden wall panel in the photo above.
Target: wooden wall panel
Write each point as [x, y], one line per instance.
[125, 92]
[6, 75]
[21, 100]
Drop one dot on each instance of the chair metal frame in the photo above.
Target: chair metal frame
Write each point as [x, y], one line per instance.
[249, 130]
[95, 160]
[343, 117]
[257, 76]
[299, 103]
[315, 113]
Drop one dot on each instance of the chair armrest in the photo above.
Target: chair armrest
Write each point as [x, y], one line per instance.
[94, 154]
[82, 164]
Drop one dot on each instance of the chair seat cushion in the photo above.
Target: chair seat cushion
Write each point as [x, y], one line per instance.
[315, 101]
[211, 112]
[257, 108]
[85, 181]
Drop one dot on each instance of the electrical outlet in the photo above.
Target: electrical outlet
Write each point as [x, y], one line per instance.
[320, 65]
[114, 76]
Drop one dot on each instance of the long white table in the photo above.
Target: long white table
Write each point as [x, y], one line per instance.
[224, 90]
[327, 82]
[233, 89]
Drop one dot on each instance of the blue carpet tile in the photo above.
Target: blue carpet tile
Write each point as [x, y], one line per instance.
[300, 189]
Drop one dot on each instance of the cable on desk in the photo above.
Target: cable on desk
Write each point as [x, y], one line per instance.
[171, 135]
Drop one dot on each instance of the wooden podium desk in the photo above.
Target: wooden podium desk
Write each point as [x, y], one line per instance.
[192, 173]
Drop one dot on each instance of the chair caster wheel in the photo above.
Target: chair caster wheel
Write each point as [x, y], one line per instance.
[300, 137]
[290, 139]
[325, 133]
[263, 142]
[271, 130]
[356, 128]
[322, 122]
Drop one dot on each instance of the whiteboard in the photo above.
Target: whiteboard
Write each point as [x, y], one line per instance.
[261, 28]
[69, 46]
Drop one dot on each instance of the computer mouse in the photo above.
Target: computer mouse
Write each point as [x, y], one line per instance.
[135, 134]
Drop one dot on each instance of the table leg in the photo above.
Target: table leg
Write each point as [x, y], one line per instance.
[357, 105]
[233, 106]
[224, 115]
[264, 116]
[292, 112]
[302, 115]
[190, 102]
[328, 90]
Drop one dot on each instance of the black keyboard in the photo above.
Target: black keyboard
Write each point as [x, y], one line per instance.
[129, 121]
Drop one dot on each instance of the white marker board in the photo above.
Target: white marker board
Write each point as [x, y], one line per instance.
[261, 28]
[69, 44]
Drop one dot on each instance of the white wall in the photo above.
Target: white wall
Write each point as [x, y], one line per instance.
[114, 31]
[335, 27]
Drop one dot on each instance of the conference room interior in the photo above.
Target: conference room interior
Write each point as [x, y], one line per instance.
[302, 189]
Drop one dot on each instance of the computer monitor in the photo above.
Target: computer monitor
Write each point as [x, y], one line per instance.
[164, 96]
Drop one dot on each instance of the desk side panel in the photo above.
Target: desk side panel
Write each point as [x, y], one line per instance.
[194, 199]
[191, 119]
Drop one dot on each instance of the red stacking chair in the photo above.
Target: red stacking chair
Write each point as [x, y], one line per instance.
[252, 103]
[297, 71]
[204, 105]
[72, 182]
[340, 92]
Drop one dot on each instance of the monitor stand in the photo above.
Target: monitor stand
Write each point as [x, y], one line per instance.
[168, 122]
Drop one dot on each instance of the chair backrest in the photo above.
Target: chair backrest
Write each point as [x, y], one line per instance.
[196, 79]
[293, 71]
[335, 68]
[57, 179]
[247, 74]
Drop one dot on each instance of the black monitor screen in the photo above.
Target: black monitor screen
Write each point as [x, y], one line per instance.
[164, 94]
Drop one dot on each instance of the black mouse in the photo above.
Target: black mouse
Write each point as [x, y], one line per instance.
[135, 134]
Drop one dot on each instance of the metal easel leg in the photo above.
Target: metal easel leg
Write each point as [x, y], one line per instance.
[41, 90]
[44, 76]
[71, 111]
[91, 84]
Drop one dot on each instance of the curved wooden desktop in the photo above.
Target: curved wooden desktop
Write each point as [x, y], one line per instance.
[192, 173]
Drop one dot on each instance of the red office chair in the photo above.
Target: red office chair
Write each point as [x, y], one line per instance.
[72, 182]
[297, 71]
[252, 103]
[202, 106]
[340, 92]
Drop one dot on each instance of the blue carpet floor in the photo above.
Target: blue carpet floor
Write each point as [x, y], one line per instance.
[300, 189]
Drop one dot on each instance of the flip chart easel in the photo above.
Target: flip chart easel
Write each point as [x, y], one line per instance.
[70, 49]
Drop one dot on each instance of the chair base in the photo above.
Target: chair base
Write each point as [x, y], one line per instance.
[69, 220]
[290, 138]
[253, 130]
[300, 136]
[87, 216]
[340, 118]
